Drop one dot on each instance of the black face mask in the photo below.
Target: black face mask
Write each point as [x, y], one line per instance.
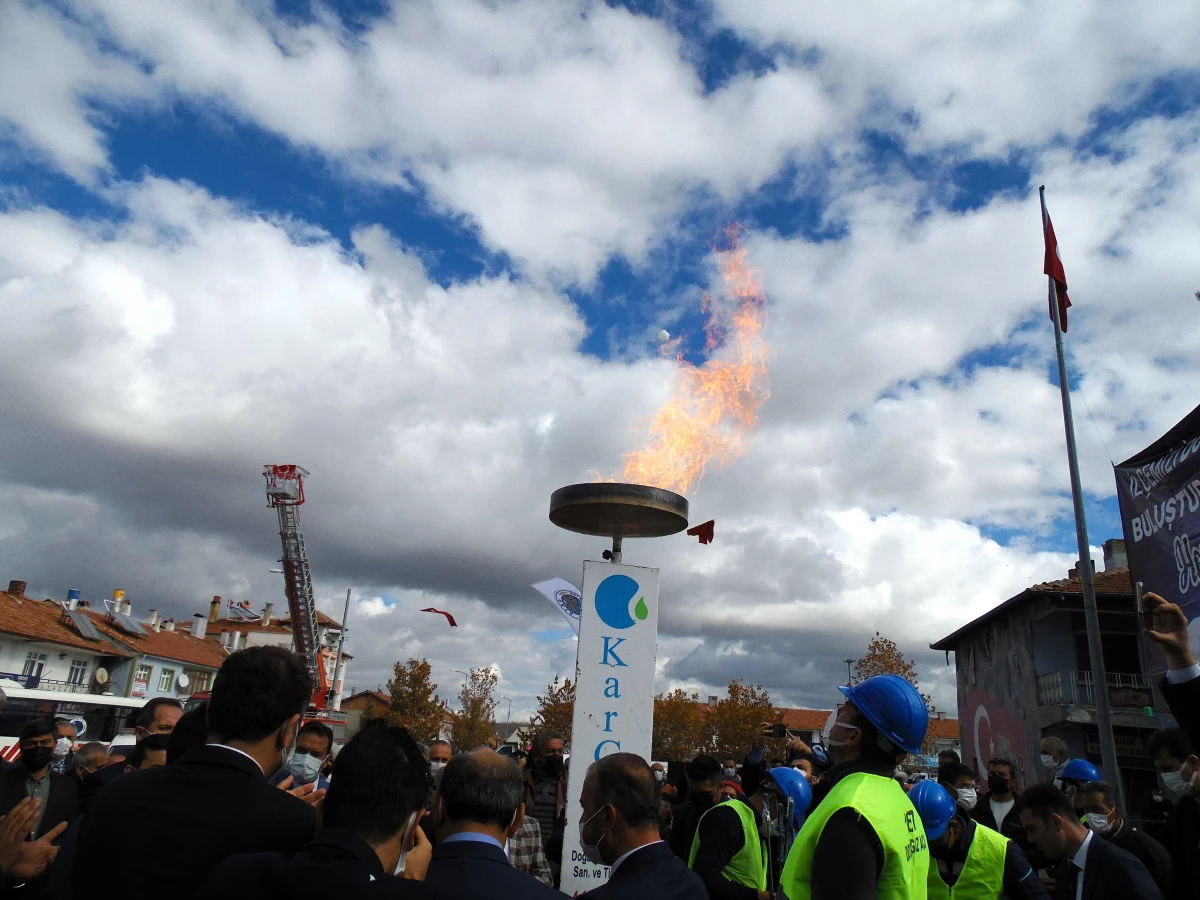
[552, 765]
[997, 783]
[36, 758]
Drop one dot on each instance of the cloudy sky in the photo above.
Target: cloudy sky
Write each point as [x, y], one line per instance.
[424, 249]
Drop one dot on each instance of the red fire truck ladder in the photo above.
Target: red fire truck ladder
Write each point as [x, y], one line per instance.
[285, 494]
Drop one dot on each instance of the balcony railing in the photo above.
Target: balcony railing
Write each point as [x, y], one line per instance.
[38, 683]
[1077, 688]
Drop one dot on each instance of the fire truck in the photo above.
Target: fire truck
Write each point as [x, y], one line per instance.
[285, 494]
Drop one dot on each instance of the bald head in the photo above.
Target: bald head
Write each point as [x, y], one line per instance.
[481, 787]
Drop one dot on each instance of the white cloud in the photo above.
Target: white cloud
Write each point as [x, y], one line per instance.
[164, 357]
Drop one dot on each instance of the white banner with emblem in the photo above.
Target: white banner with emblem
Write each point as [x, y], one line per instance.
[614, 690]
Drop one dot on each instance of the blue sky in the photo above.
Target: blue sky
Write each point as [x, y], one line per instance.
[470, 221]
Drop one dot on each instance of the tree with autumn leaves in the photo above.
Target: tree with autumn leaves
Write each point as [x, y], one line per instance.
[475, 724]
[413, 701]
[555, 710]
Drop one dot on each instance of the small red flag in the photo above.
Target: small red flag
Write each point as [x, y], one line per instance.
[703, 531]
[1054, 268]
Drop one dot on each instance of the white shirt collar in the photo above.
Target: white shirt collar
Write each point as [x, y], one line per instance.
[624, 856]
[243, 752]
[1080, 856]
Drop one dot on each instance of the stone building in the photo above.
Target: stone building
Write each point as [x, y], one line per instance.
[1024, 673]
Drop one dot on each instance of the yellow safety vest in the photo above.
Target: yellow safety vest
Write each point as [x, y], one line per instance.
[982, 876]
[883, 803]
[747, 867]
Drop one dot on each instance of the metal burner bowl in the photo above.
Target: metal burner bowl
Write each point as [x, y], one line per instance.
[614, 510]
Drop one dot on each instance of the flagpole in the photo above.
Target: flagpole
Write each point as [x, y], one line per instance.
[1108, 747]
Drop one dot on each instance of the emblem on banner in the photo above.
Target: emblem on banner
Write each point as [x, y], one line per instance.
[613, 596]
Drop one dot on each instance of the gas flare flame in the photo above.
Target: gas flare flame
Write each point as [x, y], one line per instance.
[715, 405]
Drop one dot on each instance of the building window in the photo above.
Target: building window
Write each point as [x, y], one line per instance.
[198, 680]
[34, 663]
[78, 673]
[166, 679]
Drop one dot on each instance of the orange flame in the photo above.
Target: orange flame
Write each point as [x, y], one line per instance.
[715, 404]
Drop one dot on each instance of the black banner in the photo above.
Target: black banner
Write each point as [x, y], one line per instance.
[1159, 493]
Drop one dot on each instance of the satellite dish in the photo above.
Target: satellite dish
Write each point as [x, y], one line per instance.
[102, 675]
[183, 681]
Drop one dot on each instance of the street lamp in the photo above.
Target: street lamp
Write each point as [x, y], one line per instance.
[849, 677]
[508, 716]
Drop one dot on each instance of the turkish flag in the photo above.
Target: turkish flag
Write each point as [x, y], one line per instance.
[704, 531]
[1054, 268]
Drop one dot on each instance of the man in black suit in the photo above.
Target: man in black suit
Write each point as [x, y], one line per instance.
[1105, 818]
[158, 716]
[1179, 767]
[477, 808]
[32, 778]
[212, 803]
[369, 832]
[620, 829]
[1091, 867]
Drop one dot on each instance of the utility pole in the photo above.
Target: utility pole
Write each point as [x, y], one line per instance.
[333, 700]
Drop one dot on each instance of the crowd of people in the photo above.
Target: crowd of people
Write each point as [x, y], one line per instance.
[241, 798]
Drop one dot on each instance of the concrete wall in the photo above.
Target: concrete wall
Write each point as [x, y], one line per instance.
[997, 699]
[14, 650]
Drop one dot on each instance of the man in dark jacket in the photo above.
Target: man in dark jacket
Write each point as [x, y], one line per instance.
[215, 801]
[1107, 872]
[1179, 767]
[158, 716]
[620, 802]
[478, 808]
[703, 776]
[32, 778]
[1104, 818]
[545, 780]
[369, 829]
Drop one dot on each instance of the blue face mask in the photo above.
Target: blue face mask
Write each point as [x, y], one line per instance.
[304, 767]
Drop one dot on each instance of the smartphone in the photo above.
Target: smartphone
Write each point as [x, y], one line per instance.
[779, 730]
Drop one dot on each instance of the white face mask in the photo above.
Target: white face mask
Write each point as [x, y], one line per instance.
[967, 798]
[1173, 781]
[831, 742]
[304, 768]
[412, 820]
[436, 765]
[659, 776]
[1048, 761]
[729, 773]
[61, 748]
[1098, 822]
[591, 851]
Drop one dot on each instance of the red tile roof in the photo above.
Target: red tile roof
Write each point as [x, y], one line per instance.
[377, 696]
[943, 728]
[215, 628]
[176, 645]
[322, 619]
[805, 719]
[42, 620]
[1114, 581]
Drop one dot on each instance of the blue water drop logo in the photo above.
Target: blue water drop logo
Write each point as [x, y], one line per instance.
[613, 596]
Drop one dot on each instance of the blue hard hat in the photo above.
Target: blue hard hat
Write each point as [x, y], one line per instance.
[1080, 770]
[796, 786]
[934, 805]
[893, 706]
